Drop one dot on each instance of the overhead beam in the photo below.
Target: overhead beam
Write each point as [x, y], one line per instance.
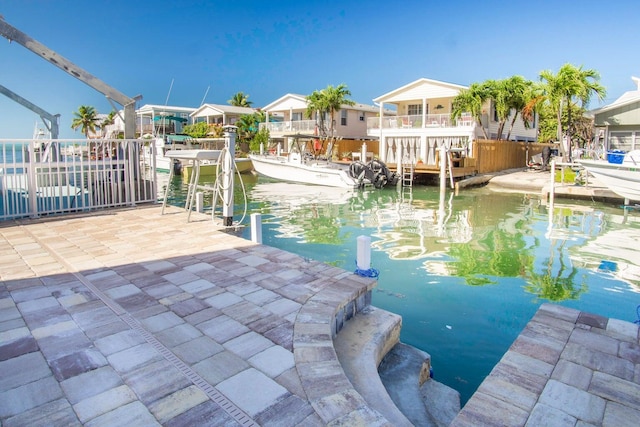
[13, 34]
[52, 126]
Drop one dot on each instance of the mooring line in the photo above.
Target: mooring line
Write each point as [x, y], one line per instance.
[220, 399]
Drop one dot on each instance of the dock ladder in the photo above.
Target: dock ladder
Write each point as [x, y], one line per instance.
[407, 174]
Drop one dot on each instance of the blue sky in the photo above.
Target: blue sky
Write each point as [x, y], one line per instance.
[269, 48]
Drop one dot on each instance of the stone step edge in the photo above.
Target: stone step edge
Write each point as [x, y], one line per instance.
[360, 346]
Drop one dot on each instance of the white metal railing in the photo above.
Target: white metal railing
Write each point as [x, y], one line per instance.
[416, 121]
[307, 127]
[44, 176]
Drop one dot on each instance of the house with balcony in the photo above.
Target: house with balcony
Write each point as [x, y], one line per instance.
[162, 119]
[423, 124]
[285, 118]
[220, 114]
[151, 120]
[618, 124]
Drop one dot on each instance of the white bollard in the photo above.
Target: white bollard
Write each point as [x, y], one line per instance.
[364, 253]
[199, 202]
[256, 228]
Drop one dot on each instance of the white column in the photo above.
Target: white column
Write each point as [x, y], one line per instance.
[423, 148]
[424, 112]
[382, 140]
[443, 167]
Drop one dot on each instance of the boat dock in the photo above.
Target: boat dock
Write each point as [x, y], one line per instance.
[129, 317]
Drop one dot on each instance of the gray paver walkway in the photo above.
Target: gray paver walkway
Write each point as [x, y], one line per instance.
[129, 317]
[567, 368]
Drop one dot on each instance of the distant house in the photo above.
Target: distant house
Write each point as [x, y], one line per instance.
[161, 119]
[286, 118]
[423, 123]
[618, 124]
[220, 114]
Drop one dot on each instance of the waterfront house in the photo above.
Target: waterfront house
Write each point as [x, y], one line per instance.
[162, 119]
[423, 123]
[220, 114]
[285, 117]
[618, 124]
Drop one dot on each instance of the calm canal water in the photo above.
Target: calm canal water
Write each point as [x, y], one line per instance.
[465, 272]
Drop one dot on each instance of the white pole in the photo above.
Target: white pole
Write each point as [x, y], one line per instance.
[199, 202]
[227, 175]
[363, 153]
[552, 191]
[256, 228]
[443, 167]
[363, 260]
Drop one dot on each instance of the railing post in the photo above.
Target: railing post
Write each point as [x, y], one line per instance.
[551, 192]
[32, 178]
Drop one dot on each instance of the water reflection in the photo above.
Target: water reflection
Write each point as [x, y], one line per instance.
[610, 241]
[478, 236]
[466, 272]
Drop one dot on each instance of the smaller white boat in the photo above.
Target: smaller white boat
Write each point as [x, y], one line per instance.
[621, 178]
[208, 170]
[162, 145]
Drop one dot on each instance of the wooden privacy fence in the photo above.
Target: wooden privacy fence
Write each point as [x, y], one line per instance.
[353, 145]
[488, 155]
[494, 156]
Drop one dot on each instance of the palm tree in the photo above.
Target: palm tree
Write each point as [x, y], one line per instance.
[240, 100]
[327, 101]
[335, 98]
[471, 101]
[86, 118]
[317, 105]
[569, 86]
[108, 121]
[249, 125]
[518, 91]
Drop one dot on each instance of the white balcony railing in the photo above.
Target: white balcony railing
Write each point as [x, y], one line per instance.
[307, 127]
[417, 122]
[40, 177]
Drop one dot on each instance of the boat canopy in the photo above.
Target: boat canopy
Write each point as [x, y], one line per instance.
[174, 118]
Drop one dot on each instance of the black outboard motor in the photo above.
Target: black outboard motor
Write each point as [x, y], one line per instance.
[546, 155]
[381, 174]
[375, 172]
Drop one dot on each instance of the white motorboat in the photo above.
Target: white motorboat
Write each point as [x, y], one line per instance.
[293, 168]
[164, 144]
[621, 178]
[305, 169]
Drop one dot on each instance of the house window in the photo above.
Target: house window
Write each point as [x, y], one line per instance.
[414, 109]
[343, 117]
[296, 117]
[361, 116]
[621, 141]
